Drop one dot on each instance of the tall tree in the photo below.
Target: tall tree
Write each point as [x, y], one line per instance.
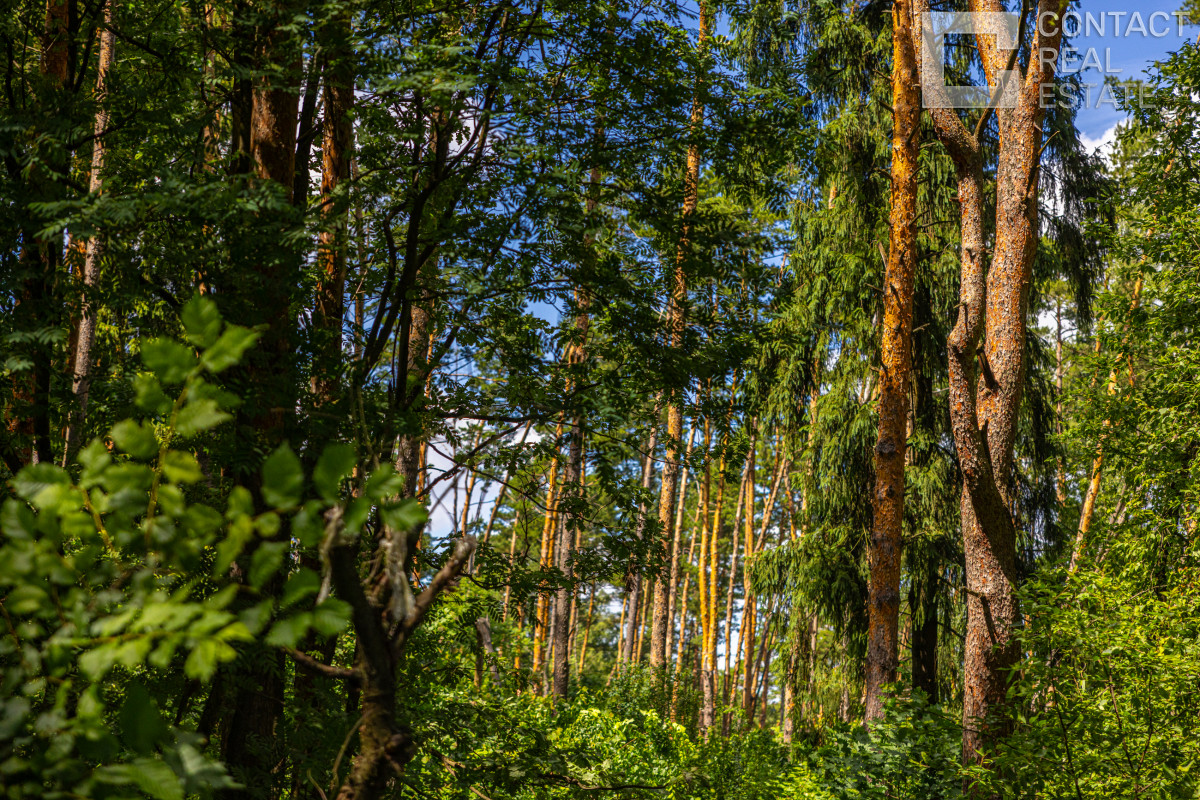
[887, 531]
[676, 311]
[991, 330]
[82, 357]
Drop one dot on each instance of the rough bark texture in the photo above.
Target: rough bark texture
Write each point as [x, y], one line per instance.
[676, 309]
[884, 548]
[81, 379]
[384, 744]
[328, 311]
[257, 706]
[984, 414]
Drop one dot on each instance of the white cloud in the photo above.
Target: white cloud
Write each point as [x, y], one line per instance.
[1104, 144]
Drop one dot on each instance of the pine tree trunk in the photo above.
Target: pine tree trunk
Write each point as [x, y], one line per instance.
[82, 359]
[673, 588]
[675, 324]
[984, 414]
[883, 551]
[633, 589]
[542, 619]
[749, 601]
[337, 144]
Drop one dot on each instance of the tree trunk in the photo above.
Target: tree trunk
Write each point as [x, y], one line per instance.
[984, 416]
[542, 619]
[587, 628]
[922, 606]
[673, 589]
[749, 601]
[81, 380]
[634, 579]
[676, 309]
[338, 135]
[887, 532]
[1092, 494]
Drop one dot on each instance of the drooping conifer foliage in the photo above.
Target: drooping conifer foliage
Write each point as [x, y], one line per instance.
[571, 399]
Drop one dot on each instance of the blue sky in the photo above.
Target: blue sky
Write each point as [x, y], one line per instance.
[1122, 51]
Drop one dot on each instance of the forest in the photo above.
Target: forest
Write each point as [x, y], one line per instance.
[523, 399]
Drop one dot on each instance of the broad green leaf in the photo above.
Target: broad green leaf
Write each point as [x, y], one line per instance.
[405, 515]
[335, 464]
[202, 662]
[36, 478]
[142, 727]
[199, 415]
[181, 467]
[289, 631]
[282, 478]
[332, 616]
[301, 584]
[150, 396]
[150, 775]
[138, 440]
[266, 561]
[228, 349]
[201, 320]
[169, 360]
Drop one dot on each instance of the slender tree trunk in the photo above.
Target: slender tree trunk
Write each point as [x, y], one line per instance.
[587, 629]
[883, 551]
[634, 578]
[704, 574]
[676, 311]
[542, 619]
[731, 665]
[572, 522]
[923, 607]
[81, 380]
[1092, 494]
[1060, 470]
[677, 544]
[749, 601]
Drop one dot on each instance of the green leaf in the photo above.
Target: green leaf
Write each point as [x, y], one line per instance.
[267, 560]
[149, 395]
[13, 713]
[26, 599]
[150, 775]
[17, 521]
[138, 440]
[203, 660]
[228, 349]
[199, 415]
[181, 467]
[282, 478]
[201, 321]
[142, 727]
[256, 617]
[36, 478]
[289, 631]
[335, 464]
[404, 516]
[331, 617]
[302, 583]
[169, 360]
